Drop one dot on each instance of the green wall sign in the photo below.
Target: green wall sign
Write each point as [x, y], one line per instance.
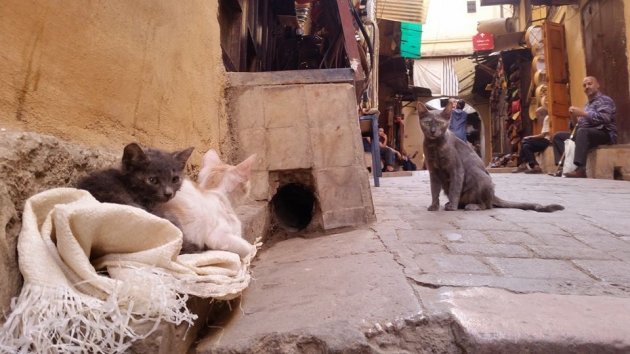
[411, 36]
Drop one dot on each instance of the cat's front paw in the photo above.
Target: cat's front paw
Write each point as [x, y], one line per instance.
[448, 206]
[433, 207]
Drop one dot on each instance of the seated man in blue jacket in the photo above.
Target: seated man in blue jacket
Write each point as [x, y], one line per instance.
[595, 126]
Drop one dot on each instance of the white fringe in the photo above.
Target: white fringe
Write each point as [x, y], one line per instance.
[62, 320]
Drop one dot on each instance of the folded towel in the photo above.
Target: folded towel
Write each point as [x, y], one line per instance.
[99, 276]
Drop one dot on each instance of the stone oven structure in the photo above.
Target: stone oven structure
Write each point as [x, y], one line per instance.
[303, 126]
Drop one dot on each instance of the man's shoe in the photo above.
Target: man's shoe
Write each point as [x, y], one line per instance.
[579, 173]
[535, 169]
[520, 168]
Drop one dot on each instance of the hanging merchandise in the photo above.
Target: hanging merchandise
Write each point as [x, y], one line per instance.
[540, 93]
[534, 39]
[515, 126]
[543, 102]
[538, 63]
[513, 123]
[516, 105]
[533, 106]
[540, 77]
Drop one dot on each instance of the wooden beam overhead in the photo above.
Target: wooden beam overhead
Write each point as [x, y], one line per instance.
[499, 2]
[350, 41]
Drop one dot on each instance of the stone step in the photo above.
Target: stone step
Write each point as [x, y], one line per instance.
[169, 338]
[609, 162]
[255, 218]
[400, 173]
[500, 169]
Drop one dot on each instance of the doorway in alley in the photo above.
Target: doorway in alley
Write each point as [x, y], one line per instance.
[605, 40]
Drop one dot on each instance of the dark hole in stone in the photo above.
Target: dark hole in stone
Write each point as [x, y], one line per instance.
[293, 206]
[617, 173]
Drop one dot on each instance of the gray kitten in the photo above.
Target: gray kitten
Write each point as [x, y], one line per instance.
[455, 167]
[147, 178]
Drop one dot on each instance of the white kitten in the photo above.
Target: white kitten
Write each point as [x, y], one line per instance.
[205, 209]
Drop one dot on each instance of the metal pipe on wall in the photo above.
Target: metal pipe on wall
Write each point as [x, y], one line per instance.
[373, 81]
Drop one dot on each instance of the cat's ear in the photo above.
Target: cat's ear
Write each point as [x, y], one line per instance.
[446, 112]
[244, 169]
[210, 159]
[182, 156]
[238, 176]
[422, 109]
[133, 155]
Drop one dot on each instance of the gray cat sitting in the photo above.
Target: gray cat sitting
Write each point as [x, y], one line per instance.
[457, 169]
[147, 178]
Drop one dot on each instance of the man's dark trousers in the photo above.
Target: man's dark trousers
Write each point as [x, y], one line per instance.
[585, 139]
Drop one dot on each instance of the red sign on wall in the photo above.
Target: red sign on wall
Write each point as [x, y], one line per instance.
[483, 41]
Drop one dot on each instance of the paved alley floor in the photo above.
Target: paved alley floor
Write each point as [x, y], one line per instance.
[500, 280]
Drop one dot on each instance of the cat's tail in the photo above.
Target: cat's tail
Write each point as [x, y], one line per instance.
[500, 203]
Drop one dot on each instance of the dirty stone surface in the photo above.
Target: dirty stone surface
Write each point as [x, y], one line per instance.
[31, 163]
[501, 280]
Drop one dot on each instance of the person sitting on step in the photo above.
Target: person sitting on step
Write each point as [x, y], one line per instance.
[595, 126]
[534, 143]
[388, 154]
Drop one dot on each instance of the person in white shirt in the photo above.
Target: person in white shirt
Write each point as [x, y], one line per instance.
[532, 144]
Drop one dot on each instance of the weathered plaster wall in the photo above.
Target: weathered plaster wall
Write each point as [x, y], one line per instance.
[575, 52]
[626, 12]
[483, 109]
[105, 73]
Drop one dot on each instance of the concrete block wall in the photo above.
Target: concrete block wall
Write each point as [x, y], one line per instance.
[606, 161]
[31, 163]
[546, 160]
[303, 121]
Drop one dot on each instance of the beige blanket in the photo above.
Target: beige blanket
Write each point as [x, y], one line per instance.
[94, 273]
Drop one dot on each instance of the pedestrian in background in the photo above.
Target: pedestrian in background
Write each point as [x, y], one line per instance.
[457, 124]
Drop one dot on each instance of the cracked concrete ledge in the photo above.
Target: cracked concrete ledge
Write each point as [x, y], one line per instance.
[333, 338]
[497, 321]
[349, 293]
[519, 285]
[412, 335]
[302, 288]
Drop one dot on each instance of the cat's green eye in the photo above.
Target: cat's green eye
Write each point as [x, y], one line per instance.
[176, 179]
[153, 180]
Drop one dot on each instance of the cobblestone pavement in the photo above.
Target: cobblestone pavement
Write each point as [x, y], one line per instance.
[584, 249]
[493, 281]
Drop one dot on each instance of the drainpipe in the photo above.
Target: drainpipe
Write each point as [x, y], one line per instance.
[373, 80]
